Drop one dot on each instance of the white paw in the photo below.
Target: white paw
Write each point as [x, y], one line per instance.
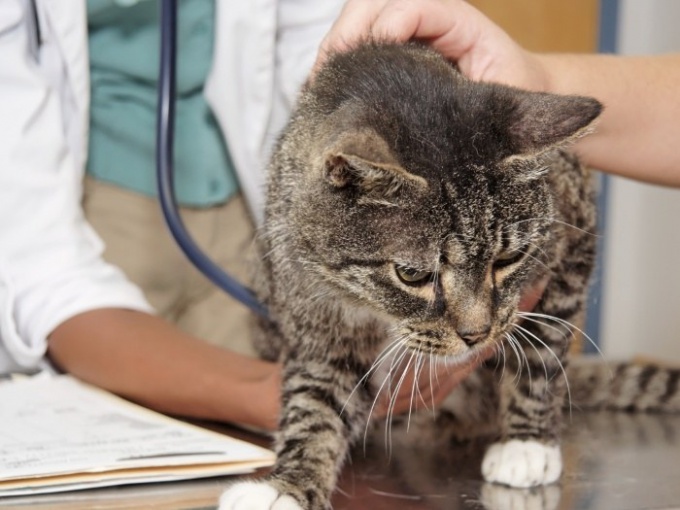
[256, 496]
[522, 463]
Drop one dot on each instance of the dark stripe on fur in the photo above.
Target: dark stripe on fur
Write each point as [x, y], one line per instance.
[671, 386]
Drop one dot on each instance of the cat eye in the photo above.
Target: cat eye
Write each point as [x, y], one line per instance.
[508, 258]
[411, 276]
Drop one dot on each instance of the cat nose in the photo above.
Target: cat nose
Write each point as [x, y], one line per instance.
[471, 337]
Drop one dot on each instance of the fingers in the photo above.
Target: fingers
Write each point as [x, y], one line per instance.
[480, 48]
[353, 24]
[451, 26]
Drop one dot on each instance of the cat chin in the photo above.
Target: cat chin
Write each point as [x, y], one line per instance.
[463, 358]
[467, 356]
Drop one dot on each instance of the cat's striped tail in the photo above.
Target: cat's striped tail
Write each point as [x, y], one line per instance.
[627, 386]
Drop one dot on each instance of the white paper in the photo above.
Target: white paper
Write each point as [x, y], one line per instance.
[59, 426]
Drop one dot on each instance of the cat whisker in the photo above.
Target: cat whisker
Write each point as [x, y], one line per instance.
[387, 351]
[400, 344]
[511, 342]
[565, 323]
[539, 261]
[557, 358]
[524, 358]
[415, 390]
[432, 368]
[503, 354]
[393, 401]
[564, 334]
[538, 353]
[530, 242]
[423, 362]
[554, 220]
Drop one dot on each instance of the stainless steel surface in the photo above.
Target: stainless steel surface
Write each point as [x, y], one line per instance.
[612, 462]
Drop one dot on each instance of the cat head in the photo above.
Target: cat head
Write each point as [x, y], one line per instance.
[424, 195]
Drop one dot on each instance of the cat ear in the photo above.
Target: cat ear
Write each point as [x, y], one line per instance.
[362, 159]
[541, 120]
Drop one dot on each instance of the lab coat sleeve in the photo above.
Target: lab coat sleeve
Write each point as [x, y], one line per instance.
[50, 259]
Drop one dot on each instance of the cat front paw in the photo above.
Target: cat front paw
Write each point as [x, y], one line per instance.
[522, 463]
[256, 496]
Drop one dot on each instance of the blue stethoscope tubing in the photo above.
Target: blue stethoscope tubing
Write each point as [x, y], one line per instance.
[165, 127]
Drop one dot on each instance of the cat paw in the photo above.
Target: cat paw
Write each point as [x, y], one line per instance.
[256, 496]
[522, 463]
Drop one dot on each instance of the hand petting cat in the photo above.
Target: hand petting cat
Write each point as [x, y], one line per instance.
[481, 49]
[634, 137]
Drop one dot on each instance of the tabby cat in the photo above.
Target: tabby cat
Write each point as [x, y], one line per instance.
[408, 208]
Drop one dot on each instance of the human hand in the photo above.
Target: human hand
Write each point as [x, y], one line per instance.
[481, 49]
[436, 381]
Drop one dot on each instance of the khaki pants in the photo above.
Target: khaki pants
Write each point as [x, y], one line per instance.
[138, 241]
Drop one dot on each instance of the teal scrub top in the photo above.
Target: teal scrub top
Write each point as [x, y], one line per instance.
[124, 57]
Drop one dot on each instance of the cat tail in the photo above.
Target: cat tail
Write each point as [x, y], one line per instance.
[624, 386]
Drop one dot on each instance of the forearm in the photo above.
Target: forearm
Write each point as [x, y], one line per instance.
[638, 132]
[147, 360]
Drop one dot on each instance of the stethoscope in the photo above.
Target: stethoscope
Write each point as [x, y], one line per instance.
[165, 124]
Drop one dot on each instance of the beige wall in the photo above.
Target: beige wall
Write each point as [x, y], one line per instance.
[546, 25]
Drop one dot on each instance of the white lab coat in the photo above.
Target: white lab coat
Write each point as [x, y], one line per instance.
[50, 259]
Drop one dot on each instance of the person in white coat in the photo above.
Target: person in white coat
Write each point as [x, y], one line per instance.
[58, 295]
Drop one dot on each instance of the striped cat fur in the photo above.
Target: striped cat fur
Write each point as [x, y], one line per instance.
[408, 208]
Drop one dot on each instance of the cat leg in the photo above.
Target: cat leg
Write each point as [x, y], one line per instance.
[531, 398]
[319, 422]
[528, 453]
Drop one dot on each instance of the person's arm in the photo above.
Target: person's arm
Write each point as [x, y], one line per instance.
[638, 132]
[53, 281]
[636, 135]
[148, 360]
[50, 259]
